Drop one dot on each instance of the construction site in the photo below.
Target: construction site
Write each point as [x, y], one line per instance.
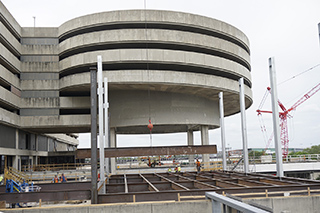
[132, 72]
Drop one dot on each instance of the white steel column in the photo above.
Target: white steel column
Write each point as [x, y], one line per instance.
[223, 135]
[101, 117]
[244, 126]
[205, 141]
[113, 138]
[275, 115]
[190, 143]
[106, 122]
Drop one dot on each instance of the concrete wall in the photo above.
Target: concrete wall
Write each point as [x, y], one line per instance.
[291, 204]
[28, 76]
[8, 137]
[131, 109]
[161, 207]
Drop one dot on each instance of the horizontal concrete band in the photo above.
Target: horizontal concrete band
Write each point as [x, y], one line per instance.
[9, 118]
[9, 40]
[9, 98]
[9, 21]
[39, 58]
[207, 86]
[40, 67]
[9, 77]
[156, 38]
[39, 111]
[8, 60]
[56, 102]
[129, 58]
[42, 50]
[71, 27]
[46, 84]
[39, 93]
[39, 76]
[8, 151]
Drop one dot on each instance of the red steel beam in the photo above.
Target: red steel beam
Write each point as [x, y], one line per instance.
[150, 151]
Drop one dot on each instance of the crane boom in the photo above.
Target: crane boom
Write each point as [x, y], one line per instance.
[313, 91]
[284, 115]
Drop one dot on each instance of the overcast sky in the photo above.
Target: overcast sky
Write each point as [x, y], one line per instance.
[284, 29]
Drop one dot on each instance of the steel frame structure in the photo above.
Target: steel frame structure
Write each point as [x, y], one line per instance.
[150, 151]
[173, 186]
[284, 116]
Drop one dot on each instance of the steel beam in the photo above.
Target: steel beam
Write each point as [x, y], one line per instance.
[175, 186]
[198, 183]
[125, 184]
[151, 186]
[93, 151]
[149, 151]
[46, 196]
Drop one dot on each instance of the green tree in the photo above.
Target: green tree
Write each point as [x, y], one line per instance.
[313, 150]
[256, 153]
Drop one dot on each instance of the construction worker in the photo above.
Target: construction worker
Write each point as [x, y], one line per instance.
[63, 178]
[198, 165]
[1, 179]
[179, 168]
[55, 179]
[169, 170]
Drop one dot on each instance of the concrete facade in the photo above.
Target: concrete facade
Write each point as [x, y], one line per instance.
[147, 207]
[45, 75]
[29, 88]
[307, 204]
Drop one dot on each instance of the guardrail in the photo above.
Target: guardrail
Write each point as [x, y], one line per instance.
[229, 204]
[16, 175]
[54, 167]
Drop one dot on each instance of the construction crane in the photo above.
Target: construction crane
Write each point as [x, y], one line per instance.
[284, 115]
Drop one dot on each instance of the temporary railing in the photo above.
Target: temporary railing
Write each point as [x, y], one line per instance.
[72, 176]
[222, 203]
[54, 167]
[211, 166]
[16, 175]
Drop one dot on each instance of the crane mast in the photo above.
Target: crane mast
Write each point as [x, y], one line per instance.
[284, 136]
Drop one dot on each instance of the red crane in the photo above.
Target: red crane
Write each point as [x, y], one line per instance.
[283, 117]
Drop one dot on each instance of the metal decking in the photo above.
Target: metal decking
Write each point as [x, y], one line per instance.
[173, 186]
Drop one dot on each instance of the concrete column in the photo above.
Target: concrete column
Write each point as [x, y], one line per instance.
[15, 161]
[205, 141]
[190, 143]
[113, 144]
[17, 139]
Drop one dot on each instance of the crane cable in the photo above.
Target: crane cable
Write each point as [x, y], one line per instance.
[150, 125]
[261, 121]
[311, 68]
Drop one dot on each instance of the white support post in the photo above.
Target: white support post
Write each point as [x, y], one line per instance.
[244, 126]
[101, 117]
[223, 135]
[275, 116]
[113, 144]
[106, 122]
